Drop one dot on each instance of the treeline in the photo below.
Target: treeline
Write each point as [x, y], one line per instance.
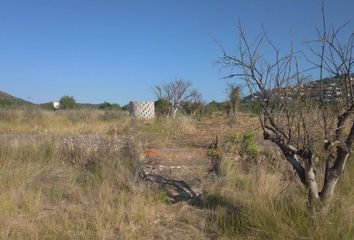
[165, 105]
[162, 108]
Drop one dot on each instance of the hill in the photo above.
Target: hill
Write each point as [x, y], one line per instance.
[49, 105]
[7, 100]
[330, 89]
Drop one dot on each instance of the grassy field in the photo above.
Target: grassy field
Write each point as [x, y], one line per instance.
[75, 175]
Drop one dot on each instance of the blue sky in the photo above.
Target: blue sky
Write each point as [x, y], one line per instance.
[116, 51]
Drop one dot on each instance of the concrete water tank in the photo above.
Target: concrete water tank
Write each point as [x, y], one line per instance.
[142, 110]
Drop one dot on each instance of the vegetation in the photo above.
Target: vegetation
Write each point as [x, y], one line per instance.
[109, 106]
[177, 93]
[71, 191]
[91, 172]
[6, 100]
[289, 112]
[74, 178]
[162, 107]
[258, 204]
[234, 94]
[67, 102]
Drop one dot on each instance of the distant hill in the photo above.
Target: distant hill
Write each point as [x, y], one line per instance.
[49, 105]
[329, 89]
[7, 100]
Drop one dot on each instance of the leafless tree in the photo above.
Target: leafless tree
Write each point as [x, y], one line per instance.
[177, 92]
[313, 130]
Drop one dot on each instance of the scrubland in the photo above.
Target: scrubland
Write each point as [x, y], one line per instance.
[76, 175]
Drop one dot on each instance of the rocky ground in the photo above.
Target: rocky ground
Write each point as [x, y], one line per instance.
[181, 171]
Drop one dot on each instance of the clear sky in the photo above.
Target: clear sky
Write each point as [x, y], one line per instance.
[117, 50]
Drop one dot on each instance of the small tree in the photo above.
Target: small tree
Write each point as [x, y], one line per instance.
[105, 106]
[194, 104]
[311, 129]
[109, 106]
[67, 102]
[214, 106]
[234, 95]
[163, 107]
[177, 92]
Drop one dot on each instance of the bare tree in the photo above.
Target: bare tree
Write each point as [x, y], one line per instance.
[312, 128]
[177, 92]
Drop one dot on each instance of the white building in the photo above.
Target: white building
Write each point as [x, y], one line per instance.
[56, 105]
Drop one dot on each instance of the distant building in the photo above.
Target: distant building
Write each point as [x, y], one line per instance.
[56, 105]
[328, 90]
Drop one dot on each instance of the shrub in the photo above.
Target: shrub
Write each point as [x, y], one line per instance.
[247, 145]
[67, 102]
[163, 107]
[5, 102]
[109, 106]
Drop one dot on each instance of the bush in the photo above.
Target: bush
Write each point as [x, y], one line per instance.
[5, 102]
[109, 106]
[244, 146]
[67, 102]
[251, 107]
[247, 145]
[163, 107]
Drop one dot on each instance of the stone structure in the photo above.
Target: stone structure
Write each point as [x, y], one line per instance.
[142, 110]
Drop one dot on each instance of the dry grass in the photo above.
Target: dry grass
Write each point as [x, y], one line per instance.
[76, 191]
[261, 203]
[69, 122]
[77, 180]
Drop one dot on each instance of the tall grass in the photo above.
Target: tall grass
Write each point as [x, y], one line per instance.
[63, 122]
[259, 204]
[46, 194]
[76, 186]
[160, 130]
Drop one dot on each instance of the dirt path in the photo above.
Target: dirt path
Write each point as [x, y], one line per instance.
[181, 171]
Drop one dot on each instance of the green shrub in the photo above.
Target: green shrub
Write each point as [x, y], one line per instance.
[109, 106]
[5, 102]
[67, 102]
[162, 107]
[247, 145]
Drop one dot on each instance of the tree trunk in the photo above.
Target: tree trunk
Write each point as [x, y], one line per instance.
[328, 188]
[174, 112]
[332, 176]
[311, 182]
